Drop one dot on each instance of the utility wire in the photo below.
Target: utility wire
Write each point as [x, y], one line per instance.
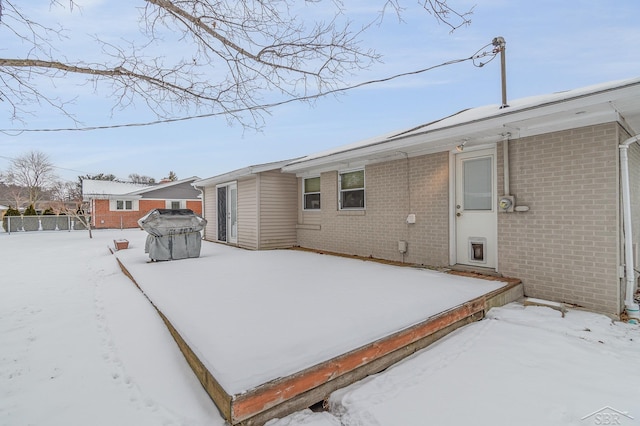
[480, 53]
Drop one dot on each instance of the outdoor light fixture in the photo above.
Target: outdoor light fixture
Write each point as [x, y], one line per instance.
[460, 147]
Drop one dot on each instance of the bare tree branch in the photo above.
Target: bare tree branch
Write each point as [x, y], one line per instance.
[444, 14]
[32, 171]
[231, 55]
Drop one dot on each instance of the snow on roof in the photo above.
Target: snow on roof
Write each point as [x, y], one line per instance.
[472, 115]
[245, 171]
[92, 187]
[163, 185]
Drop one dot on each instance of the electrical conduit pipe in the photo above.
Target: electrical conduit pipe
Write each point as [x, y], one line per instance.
[630, 305]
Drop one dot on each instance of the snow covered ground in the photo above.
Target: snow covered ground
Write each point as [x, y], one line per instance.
[80, 345]
[252, 317]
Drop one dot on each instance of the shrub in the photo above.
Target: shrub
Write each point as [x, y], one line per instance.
[30, 219]
[30, 211]
[16, 222]
[12, 212]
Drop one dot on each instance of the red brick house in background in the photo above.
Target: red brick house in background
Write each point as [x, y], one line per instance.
[121, 204]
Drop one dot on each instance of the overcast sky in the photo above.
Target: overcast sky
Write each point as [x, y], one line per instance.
[551, 46]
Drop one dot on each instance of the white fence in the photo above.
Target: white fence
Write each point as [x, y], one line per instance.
[41, 223]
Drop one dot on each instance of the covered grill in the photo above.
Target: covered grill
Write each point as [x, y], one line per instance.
[173, 234]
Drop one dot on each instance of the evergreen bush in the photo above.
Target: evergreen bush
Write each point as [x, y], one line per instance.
[30, 211]
[15, 221]
[30, 221]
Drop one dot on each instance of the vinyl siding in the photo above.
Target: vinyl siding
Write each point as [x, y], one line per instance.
[181, 191]
[278, 213]
[248, 213]
[210, 213]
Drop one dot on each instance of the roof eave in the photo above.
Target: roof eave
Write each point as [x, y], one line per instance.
[240, 173]
[515, 122]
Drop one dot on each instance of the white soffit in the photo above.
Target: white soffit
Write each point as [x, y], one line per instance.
[609, 102]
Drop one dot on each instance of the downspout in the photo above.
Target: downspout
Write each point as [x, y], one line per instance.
[505, 164]
[202, 203]
[630, 305]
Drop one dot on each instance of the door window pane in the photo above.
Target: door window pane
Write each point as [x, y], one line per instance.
[477, 184]
[222, 214]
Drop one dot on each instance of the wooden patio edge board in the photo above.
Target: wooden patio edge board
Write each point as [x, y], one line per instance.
[283, 396]
[216, 392]
[349, 367]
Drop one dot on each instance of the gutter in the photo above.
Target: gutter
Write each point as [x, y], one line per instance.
[243, 172]
[497, 119]
[631, 307]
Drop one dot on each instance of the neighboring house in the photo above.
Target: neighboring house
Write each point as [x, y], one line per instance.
[531, 191]
[254, 207]
[120, 205]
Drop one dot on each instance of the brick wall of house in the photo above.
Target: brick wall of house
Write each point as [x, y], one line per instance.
[103, 218]
[196, 206]
[394, 189]
[566, 247]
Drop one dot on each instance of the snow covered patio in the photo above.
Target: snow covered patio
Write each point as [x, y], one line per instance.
[81, 345]
[270, 333]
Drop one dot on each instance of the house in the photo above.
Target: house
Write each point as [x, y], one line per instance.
[253, 207]
[534, 190]
[120, 204]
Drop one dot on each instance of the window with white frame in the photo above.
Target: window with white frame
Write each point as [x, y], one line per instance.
[351, 190]
[175, 205]
[124, 205]
[311, 193]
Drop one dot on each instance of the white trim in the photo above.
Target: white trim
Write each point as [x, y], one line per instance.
[182, 203]
[240, 173]
[228, 225]
[364, 189]
[453, 253]
[529, 116]
[305, 193]
[113, 205]
[453, 248]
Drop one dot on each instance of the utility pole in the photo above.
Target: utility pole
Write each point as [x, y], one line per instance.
[500, 45]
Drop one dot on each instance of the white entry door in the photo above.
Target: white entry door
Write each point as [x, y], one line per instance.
[475, 208]
[227, 212]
